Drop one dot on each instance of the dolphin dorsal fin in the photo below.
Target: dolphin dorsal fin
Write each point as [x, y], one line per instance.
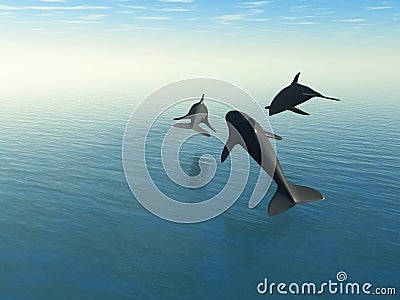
[202, 99]
[296, 78]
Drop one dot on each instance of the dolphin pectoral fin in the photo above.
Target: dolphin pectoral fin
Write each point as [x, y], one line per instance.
[268, 107]
[201, 130]
[230, 143]
[183, 125]
[224, 154]
[208, 124]
[329, 98]
[272, 135]
[320, 96]
[299, 111]
[205, 133]
[180, 118]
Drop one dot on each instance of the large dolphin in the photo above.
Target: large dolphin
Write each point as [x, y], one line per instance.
[249, 134]
[293, 95]
[197, 114]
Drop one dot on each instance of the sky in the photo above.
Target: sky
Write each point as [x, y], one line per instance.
[81, 43]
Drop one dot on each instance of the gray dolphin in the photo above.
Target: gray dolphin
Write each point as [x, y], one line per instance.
[197, 114]
[249, 134]
[293, 95]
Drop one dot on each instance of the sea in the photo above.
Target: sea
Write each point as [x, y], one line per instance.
[71, 228]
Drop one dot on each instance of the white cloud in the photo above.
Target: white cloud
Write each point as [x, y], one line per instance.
[93, 17]
[177, 1]
[124, 12]
[174, 9]
[327, 12]
[352, 27]
[168, 9]
[297, 17]
[303, 23]
[255, 19]
[134, 27]
[26, 22]
[78, 22]
[377, 7]
[154, 28]
[254, 11]
[153, 18]
[299, 8]
[78, 7]
[49, 14]
[252, 4]
[350, 20]
[200, 30]
[135, 6]
[228, 19]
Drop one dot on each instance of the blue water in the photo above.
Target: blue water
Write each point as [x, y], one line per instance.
[71, 228]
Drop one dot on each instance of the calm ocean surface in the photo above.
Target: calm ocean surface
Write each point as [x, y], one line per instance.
[71, 228]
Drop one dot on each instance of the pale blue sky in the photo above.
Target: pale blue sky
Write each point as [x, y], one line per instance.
[115, 43]
[201, 16]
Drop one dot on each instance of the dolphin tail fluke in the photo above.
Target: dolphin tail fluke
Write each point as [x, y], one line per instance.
[285, 199]
[281, 202]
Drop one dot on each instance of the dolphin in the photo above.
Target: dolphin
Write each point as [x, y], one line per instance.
[197, 114]
[248, 133]
[293, 95]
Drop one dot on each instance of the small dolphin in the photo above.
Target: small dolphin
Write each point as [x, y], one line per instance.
[293, 95]
[197, 114]
[248, 133]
